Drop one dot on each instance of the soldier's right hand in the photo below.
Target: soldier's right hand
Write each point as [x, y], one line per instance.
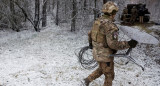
[132, 43]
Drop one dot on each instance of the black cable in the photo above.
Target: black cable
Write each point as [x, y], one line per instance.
[85, 59]
[88, 63]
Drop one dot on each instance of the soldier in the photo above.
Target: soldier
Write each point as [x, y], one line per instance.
[125, 12]
[103, 39]
[141, 12]
[134, 13]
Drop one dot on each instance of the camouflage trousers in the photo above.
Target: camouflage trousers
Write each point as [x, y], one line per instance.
[141, 19]
[133, 19]
[106, 68]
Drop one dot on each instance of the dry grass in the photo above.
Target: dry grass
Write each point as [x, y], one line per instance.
[144, 26]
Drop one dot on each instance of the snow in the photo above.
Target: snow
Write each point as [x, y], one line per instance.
[47, 58]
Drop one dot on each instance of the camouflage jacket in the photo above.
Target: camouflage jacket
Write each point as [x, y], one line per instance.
[104, 37]
[134, 11]
[125, 11]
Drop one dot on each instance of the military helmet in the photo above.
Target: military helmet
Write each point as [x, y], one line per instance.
[109, 7]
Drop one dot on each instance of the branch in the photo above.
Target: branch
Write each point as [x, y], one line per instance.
[44, 3]
[24, 12]
[8, 17]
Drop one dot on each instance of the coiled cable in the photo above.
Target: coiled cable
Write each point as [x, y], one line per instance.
[85, 59]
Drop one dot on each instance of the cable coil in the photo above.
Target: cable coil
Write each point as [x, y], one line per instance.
[86, 61]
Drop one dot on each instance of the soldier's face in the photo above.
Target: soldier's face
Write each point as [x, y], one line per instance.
[113, 16]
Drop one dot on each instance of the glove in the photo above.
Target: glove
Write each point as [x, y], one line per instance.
[90, 46]
[132, 43]
[114, 51]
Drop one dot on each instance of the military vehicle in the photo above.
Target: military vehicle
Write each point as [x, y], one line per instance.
[142, 10]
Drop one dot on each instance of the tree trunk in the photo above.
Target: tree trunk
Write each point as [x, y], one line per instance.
[57, 11]
[65, 7]
[85, 4]
[37, 12]
[48, 8]
[13, 19]
[12, 14]
[53, 4]
[26, 5]
[73, 22]
[44, 13]
[95, 11]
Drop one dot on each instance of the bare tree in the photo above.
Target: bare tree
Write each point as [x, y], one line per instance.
[95, 11]
[57, 11]
[85, 4]
[65, 7]
[74, 11]
[53, 4]
[37, 15]
[12, 12]
[26, 15]
[49, 6]
[44, 13]
[13, 20]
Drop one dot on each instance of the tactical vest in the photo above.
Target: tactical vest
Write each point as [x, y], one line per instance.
[98, 35]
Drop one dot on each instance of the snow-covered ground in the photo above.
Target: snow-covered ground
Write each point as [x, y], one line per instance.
[47, 58]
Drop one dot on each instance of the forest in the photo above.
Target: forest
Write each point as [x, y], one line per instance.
[18, 14]
[40, 41]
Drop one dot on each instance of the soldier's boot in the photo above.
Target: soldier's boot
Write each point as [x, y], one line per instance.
[86, 82]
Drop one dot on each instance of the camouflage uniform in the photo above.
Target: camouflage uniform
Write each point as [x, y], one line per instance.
[125, 12]
[104, 37]
[141, 13]
[133, 14]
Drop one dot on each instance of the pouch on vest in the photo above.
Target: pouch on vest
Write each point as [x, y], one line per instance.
[95, 31]
[97, 36]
